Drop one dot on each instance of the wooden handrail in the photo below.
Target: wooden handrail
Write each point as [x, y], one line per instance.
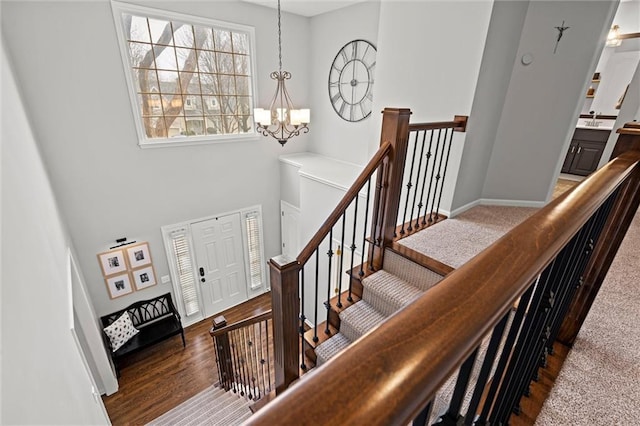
[353, 192]
[459, 124]
[390, 374]
[214, 332]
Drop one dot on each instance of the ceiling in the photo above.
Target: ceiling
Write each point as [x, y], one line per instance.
[306, 8]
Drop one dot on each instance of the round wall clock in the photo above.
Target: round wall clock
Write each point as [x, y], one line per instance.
[351, 80]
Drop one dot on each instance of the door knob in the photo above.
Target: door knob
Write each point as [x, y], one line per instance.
[202, 279]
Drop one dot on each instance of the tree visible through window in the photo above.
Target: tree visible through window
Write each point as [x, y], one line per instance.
[189, 79]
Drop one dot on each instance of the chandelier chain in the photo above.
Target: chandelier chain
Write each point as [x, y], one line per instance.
[279, 40]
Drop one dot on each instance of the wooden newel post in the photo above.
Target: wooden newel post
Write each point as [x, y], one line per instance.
[223, 351]
[395, 129]
[285, 302]
[622, 213]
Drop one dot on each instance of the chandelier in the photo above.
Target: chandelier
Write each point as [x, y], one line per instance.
[281, 120]
[613, 38]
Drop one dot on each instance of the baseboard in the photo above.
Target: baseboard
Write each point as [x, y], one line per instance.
[511, 203]
[464, 208]
[494, 202]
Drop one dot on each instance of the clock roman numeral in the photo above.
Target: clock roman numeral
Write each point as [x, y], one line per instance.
[344, 56]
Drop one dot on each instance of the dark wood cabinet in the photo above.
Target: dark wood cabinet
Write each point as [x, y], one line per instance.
[585, 151]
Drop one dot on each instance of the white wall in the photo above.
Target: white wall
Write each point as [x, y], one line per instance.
[429, 56]
[44, 380]
[498, 58]
[331, 135]
[69, 69]
[544, 98]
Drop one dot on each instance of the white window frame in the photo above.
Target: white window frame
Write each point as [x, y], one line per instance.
[185, 226]
[118, 9]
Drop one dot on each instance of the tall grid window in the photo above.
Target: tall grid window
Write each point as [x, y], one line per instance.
[189, 78]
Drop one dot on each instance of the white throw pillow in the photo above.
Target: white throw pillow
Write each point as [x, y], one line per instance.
[120, 331]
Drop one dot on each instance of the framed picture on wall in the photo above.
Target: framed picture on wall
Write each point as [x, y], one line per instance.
[144, 277]
[119, 285]
[112, 262]
[138, 255]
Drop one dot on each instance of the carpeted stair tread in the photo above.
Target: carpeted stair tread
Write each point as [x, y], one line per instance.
[358, 319]
[328, 349]
[417, 275]
[387, 293]
[213, 406]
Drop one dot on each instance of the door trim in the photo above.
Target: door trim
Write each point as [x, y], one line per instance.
[186, 225]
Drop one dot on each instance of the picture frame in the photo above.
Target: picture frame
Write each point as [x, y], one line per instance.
[138, 255]
[119, 285]
[112, 262]
[144, 277]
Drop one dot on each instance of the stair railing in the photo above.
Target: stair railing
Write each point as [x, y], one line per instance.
[427, 162]
[362, 225]
[551, 267]
[244, 355]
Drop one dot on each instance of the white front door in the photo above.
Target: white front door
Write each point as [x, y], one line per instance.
[220, 263]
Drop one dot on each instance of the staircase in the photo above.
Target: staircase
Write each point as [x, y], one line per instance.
[213, 407]
[384, 292]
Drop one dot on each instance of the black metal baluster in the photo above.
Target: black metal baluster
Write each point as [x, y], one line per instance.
[383, 197]
[341, 270]
[415, 193]
[516, 324]
[237, 368]
[433, 173]
[424, 182]
[303, 318]
[243, 361]
[257, 345]
[327, 304]
[315, 307]
[485, 370]
[262, 357]
[376, 210]
[353, 248]
[438, 176]
[531, 331]
[444, 173]
[423, 416]
[252, 372]
[364, 229]
[268, 328]
[409, 184]
[452, 417]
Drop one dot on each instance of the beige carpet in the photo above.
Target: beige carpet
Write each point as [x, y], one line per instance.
[600, 380]
[455, 241]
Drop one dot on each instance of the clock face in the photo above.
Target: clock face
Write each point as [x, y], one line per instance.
[351, 80]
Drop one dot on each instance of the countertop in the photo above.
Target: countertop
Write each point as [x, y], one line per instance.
[603, 124]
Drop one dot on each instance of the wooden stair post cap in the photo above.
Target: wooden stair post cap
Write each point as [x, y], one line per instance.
[219, 321]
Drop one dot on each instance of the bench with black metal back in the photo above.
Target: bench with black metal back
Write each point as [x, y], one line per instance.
[157, 319]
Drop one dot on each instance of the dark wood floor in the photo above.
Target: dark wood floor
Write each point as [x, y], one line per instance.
[154, 381]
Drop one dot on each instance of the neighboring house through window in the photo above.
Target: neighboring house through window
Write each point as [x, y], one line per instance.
[190, 79]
